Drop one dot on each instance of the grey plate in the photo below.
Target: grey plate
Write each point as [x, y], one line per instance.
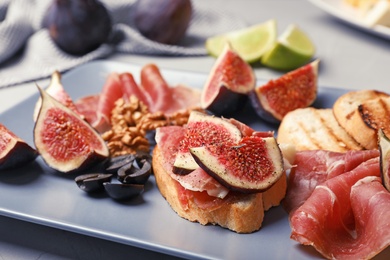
[37, 194]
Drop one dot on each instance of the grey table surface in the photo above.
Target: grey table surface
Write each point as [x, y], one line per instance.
[350, 59]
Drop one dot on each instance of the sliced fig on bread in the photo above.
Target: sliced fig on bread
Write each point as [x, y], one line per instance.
[252, 165]
[203, 129]
[229, 82]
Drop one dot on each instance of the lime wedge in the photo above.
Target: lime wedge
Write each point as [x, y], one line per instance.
[250, 43]
[292, 50]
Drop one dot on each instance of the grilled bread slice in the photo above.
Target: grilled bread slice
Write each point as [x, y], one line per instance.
[242, 214]
[361, 113]
[315, 129]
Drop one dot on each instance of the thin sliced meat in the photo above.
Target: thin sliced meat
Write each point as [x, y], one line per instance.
[183, 97]
[313, 168]
[112, 91]
[157, 88]
[333, 222]
[154, 92]
[370, 202]
[87, 106]
[168, 139]
[130, 87]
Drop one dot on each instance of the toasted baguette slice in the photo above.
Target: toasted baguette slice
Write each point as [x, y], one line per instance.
[243, 215]
[314, 129]
[362, 113]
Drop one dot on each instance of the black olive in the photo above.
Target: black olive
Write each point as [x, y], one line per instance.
[140, 155]
[115, 163]
[133, 175]
[78, 26]
[120, 191]
[92, 182]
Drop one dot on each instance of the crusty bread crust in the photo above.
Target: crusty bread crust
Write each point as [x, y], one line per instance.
[360, 113]
[315, 129]
[242, 216]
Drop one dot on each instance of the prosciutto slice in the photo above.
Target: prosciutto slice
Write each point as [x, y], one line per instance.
[112, 91]
[347, 216]
[168, 139]
[161, 96]
[152, 90]
[87, 106]
[313, 168]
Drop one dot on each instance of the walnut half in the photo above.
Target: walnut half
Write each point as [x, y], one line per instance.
[131, 121]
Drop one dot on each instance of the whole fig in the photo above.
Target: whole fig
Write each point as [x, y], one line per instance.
[78, 26]
[164, 21]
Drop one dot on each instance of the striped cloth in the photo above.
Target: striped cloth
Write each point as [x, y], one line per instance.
[27, 52]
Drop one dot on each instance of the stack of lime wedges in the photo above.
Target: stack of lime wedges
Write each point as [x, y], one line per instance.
[292, 49]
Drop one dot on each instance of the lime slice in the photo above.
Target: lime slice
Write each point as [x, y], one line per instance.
[250, 43]
[292, 50]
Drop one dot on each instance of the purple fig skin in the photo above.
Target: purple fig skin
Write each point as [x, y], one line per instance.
[18, 156]
[78, 26]
[259, 108]
[164, 21]
[226, 102]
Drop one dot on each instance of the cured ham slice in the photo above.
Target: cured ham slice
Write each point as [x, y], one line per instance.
[313, 168]
[157, 88]
[153, 91]
[347, 216]
[164, 98]
[168, 139]
[112, 91]
[87, 106]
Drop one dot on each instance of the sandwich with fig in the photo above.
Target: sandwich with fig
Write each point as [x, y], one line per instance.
[219, 171]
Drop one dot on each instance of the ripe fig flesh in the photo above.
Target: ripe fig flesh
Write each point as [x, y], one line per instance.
[163, 21]
[293, 90]
[78, 26]
[203, 129]
[65, 141]
[230, 81]
[14, 152]
[57, 91]
[252, 165]
[384, 149]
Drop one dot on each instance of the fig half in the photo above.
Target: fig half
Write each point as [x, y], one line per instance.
[203, 129]
[13, 150]
[293, 90]
[65, 141]
[57, 91]
[252, 165]
[384, 149]
[230, 81]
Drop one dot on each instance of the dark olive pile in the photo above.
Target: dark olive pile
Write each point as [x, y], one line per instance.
[131, 171]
